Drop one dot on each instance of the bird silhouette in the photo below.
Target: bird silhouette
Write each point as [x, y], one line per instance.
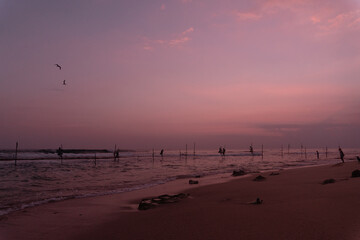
[58, 66]
[64, 82]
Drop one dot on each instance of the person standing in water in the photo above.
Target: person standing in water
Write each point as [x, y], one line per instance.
[162, 152]
[220, 151]
[341, 154]
[251, 150]
[60, 152]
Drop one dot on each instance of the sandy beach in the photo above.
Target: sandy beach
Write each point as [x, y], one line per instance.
[296, 205]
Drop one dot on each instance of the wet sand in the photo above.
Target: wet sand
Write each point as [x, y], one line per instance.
[296, 205]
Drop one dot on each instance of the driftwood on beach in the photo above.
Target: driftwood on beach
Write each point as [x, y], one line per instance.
[193, 181]
[148, 203]
[328, 181]
[238, 173]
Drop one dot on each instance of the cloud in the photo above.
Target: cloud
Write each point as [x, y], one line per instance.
[179, 40]
[148, 47]
[267, 8]
[329, 18]
[189, 30]
[247, 15]
[315, 19]
[348, 20]
[313, 134]
[336, 23]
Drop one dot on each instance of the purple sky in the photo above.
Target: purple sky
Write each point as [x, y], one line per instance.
[143, 74]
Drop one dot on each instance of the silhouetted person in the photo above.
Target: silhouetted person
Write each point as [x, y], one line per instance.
[251, 150]
[162, 152]
[358, 158]
[60, 152]
[64, 82]
[223, 151]
[116, 154]
[341, 154]
[317, 154]
[220, 151]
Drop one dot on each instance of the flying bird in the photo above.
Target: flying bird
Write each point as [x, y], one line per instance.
[58, 66]
[64, 82]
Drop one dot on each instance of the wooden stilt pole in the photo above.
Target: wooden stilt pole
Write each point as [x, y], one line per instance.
[16, 150]
[326, 151]
[61, 146]
[288, 148]
[115, 153]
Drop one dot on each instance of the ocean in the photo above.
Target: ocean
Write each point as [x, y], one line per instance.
[40, 176]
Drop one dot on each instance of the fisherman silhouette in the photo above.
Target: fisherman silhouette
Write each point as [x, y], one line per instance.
[341, 154]
[220, 151]
[116, 154]
[60, 152]
[162, 152]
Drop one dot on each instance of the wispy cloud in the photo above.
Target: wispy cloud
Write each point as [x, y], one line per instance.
[178, 40]
[189, 30]
[247, 15]
[347, 20]
[315, 19]
[268, 8]
[148, 47]
[327, 19]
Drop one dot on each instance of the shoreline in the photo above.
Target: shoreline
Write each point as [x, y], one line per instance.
[205, 180]
[85, 218]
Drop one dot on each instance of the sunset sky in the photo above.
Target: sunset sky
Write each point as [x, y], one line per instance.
[143, 74]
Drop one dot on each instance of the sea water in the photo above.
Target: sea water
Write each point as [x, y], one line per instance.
[40, 177]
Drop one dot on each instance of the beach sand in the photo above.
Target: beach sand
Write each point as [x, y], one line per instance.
[296, 205]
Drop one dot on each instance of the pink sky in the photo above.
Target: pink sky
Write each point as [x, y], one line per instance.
[143, 74]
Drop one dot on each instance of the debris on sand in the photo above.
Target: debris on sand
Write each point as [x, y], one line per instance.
[259, 178]
[257, 201]
[238, 173]
[355, 173]
[327, 181]
[193, 182]
[148, 203]
[274, 173]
